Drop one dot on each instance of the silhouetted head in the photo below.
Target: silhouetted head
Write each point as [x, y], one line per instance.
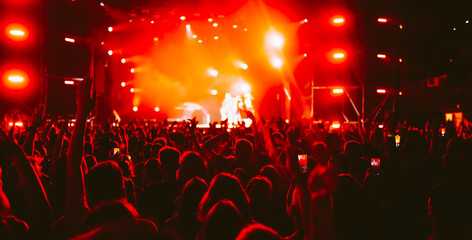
[152, 170]
[258, 231]
[169, 158]
[191, 165]
[225, 186]
[191, 196]
[223, 221]
[243, 150]
[104, 182]
[259, 191]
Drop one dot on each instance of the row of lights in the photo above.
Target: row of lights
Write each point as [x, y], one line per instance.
[379, 91]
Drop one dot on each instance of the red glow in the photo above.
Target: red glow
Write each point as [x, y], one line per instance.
[17, 32]
[15, 79]
[381, 91]
[382, 20]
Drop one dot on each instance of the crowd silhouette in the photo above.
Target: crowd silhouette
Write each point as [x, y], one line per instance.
[165, 180]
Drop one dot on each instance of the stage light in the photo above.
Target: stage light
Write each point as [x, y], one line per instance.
[16, 32]
[235, 26]
[131, 90]
[123, 84]
[135, 109]
[200, 41]
[210, 19]
[102, 4]
[400, 93]
[337, 56]
[157, 109]
[152, 21]
[132, 70]
[466, 21]
[187, 26]
[110, 52]
[276, 62]
[182, 18]
[102, 43]
[273, 39]
[156, 39]
[194, 36]
[216, 37]
[400, 26]
[215, 24]
[68, 82]
[214, 92]
[381, 20]
[245, 29]
[338, 90]
[71, 40]
[110, 29]
[382, 56]
[305, 20]
[123, 60]
[305, 55]
[19, 124]
[381, 126]
[337, 21]
[400, 60]
[335, 125]
[212, 72]
[381, 91]
[15, 79]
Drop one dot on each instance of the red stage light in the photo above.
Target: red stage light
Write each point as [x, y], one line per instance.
[382, 20]
[68, 82]
[381, 91]
[110, 52]
[15, 79]
[381, 126]
[337, 56]
[335, 125]
[16, 32]
[135, 109]
[123, 84]
[337, 21]
[210, 19]
[132, 90]
[110, 29]
[338, 90]
[380, 55]
[215, 24]
[132, 70]
[71, 40]
[157, 109]
[182, 18]
[123, 60]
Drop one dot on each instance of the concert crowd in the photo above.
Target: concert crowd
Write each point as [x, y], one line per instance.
[63, 179]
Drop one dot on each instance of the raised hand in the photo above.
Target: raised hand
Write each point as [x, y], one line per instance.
[38, 116]
[85, 100]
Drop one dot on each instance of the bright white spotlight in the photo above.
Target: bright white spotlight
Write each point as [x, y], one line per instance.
[187, 26]
[235, 26]
[274, 39]
[71, 40]
[212, 72]
[110, 29]
[110, 52]
[194, 36]
[131, 90]
[240, 64]
[132, 70]
[157, 109]
[123, 60]
[182, 18]
[16, 78]
[216, 37]
[135, 109]
[102, 4]
[215, 24]
[214, 92]
[123, 84]
[276, 62]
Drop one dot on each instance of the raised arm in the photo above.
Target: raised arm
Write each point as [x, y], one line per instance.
[36, 121]
[35, 195]
[76, 205]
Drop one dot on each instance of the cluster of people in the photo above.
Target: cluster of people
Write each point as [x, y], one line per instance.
[177, 181]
